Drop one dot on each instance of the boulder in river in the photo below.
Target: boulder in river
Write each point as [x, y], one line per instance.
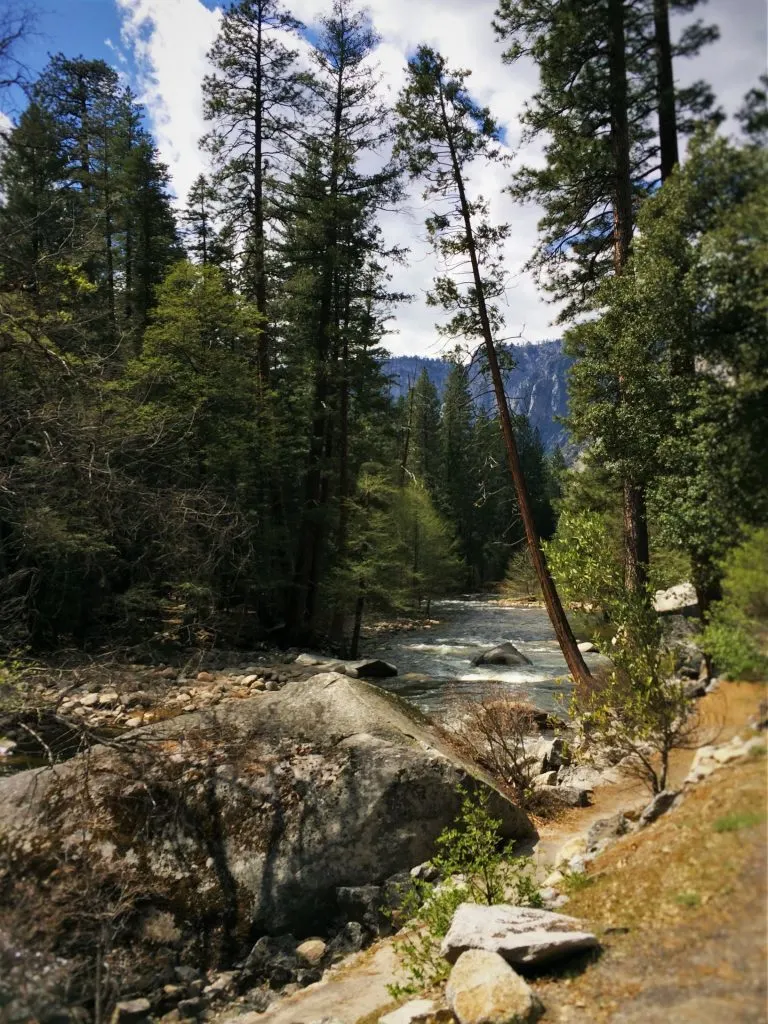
[505, 654]
[240, 820]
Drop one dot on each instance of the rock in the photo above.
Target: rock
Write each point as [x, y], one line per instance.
[90, 700]
[570, 796]
[134, 722]
[190, 1007]
[483, 989]
[186, 974]
[137, 699]
[580, 776]
[680, 599]
[349, 940]
[551, 898]
[169, 673]
[523, 936]
[133, 1011]
[205, 677]
[658, 806]
[272, 960]
[373, 668]
[361, 903]
[572, 848]
[309, 660]
[694, 688]
[587, 647]
[553, 753]
[108, 699]
[221, 985]
[311, 951]
[414, 1012]
[272, 686]
[426, 872]
[504, 654]
[601, 833]
[337, 783]
[545, 779]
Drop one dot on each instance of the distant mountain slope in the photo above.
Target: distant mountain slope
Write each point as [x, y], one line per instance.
[536, 387]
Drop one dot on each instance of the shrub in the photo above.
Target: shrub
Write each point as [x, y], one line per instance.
[492, 733]
[736, 636]
[521, 580]
[638, 709]
[474, 868]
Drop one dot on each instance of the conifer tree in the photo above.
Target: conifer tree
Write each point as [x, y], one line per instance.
[440, 132]
[606, 89]
[336, 290]
[253, 100]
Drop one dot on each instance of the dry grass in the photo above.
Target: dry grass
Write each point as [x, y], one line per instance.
[691, 897]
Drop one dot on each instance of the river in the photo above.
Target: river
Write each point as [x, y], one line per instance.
[434, 665]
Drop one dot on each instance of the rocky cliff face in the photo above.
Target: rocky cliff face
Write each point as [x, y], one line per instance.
[536, 387]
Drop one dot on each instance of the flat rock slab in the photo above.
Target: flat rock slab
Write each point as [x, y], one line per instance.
[523, 936]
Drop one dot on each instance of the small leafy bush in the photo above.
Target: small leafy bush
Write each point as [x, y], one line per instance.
[474, 868]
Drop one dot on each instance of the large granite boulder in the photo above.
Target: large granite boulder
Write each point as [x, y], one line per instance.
[505, 654]
[244, 819]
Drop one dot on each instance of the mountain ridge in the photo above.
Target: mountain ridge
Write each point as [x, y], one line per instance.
[537, 387]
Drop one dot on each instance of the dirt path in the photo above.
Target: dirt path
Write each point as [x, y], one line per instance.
[723, 714]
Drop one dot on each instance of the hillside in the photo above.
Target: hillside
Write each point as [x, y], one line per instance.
[536, 387]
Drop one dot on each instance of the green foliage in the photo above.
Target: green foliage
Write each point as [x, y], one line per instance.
[689, 898]
[583, 562]
[736, 635]
[738, 820]
[475, 869]
[639, 709]
[521, 580]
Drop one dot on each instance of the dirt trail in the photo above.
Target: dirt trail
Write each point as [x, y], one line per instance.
[723, 713]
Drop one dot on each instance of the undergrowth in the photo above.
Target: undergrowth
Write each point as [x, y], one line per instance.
[473, 867]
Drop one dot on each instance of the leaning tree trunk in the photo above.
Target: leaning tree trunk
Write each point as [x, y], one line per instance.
[635, 517]
[563, 632]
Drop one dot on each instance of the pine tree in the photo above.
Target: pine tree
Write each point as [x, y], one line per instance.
[253, 100]
[457, 476]
[425, 456]
[440, 132]
[605, 75]
[199, 217]
[336, 289]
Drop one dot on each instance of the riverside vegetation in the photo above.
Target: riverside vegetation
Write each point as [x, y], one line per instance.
[200, 458]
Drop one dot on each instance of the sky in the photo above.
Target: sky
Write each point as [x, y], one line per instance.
[160, 47]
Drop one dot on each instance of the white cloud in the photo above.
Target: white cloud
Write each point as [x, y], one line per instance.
[170, 38]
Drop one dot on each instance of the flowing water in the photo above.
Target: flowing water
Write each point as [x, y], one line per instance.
[435, 665]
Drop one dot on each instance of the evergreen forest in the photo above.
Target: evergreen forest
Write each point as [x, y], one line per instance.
[198, 441]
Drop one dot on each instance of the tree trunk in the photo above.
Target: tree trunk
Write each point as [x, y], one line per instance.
[257, 233]
[354, 650]
[562, 628]
[665, 84]
[636, 552]
[635, 518]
